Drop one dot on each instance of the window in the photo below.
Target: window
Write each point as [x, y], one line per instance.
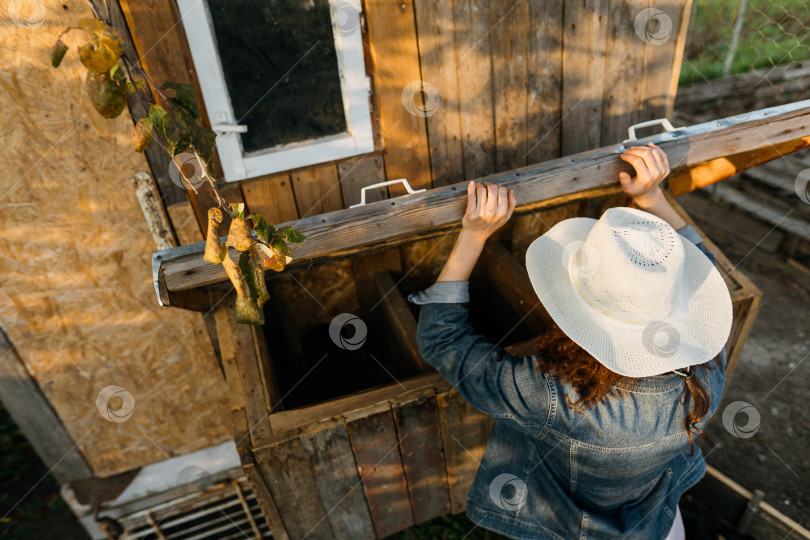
[290, 71]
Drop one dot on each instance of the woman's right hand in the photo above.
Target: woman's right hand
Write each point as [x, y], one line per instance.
[652, 166]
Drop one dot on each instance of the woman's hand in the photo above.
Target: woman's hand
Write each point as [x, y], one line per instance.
[652, 166]
[488, 207]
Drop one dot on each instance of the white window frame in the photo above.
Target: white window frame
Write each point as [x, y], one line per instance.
[354, 83]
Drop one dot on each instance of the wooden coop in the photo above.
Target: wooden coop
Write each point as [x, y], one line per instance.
[364, 441]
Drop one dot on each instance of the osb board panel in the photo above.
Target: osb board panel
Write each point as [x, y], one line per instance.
[77, 297]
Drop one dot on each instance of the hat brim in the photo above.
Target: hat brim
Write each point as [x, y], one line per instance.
[701, 319]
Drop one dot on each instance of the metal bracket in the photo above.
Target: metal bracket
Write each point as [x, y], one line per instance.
[404, 182]
[631, 131]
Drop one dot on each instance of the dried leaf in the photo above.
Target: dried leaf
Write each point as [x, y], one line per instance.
[253, 271]
[215, 252]
[238, 209]
[271, 260]
[247, 310]
[108, 95]
[58, 52]
[142, 135]
[239, 235]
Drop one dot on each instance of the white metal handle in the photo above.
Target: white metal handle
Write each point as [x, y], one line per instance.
[631, 131]
[229, 128]
[404, 182]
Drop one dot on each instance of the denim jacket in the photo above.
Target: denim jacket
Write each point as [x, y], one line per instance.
[613, 471]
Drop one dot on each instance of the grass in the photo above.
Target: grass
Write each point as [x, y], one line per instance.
[774, 32]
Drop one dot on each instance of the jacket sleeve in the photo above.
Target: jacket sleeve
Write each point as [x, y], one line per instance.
[493, 381]
[691, 234]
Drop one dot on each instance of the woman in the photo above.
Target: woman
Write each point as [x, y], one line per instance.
[594, 434]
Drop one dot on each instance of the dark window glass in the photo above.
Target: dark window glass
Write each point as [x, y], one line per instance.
[280, 68]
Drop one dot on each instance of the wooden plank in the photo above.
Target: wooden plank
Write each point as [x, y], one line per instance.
[164, 54]
[339, 485]
[537, 223]
[663, 62]
[292, 420]
[357, 173]
[547, 184]
[365, 267]
[286, 469]
[508, 276]
[624, 71]
[223, 315]
[184, 222]
[238, 349]
[400, 325]
[465, 431]
[157, 157]
[544, 96]
[317, 190]
[475, 87]
[583, 50]
[509, 47]
[437, 54]
[396, 71]
[272, 197]
[33, 414]
[717, 169]
[376, 449]
[265, 500]
[419, 431]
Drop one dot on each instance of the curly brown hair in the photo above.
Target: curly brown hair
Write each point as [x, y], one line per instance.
[561, 356]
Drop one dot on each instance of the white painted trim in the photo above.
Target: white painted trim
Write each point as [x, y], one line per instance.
[355, 87]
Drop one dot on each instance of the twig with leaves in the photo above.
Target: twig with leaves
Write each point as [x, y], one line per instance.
[172, 123]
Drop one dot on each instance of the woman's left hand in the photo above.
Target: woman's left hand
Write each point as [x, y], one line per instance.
[489, 207]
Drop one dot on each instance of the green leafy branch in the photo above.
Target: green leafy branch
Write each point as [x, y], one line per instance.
[171, 122]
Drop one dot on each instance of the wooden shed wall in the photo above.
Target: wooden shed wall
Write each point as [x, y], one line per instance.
[520, 82]
[76, 294]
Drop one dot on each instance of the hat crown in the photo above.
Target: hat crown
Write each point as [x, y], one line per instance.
[630, 266]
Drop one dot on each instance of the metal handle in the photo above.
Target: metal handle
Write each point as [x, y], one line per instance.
[229, 128]
[404, 182]
[631, 131]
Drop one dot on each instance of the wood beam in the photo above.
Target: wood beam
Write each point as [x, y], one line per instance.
[546, 184]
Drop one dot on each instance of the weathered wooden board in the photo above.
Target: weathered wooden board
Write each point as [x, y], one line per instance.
[317, 190]
[437, 55]
[419, 431]
[271, 197]
[339, 484]
[376, 449]
[624, 71]
[465, 431]
[584, 46]
[357, 173]
[509, 48]
[184, 223]
[663, 61]
[545, 184]
[287, 471]
[474, 66]
[396, 72]
[399, 324]
[265, 499]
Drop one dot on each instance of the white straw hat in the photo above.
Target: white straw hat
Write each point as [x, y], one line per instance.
[631, 291]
